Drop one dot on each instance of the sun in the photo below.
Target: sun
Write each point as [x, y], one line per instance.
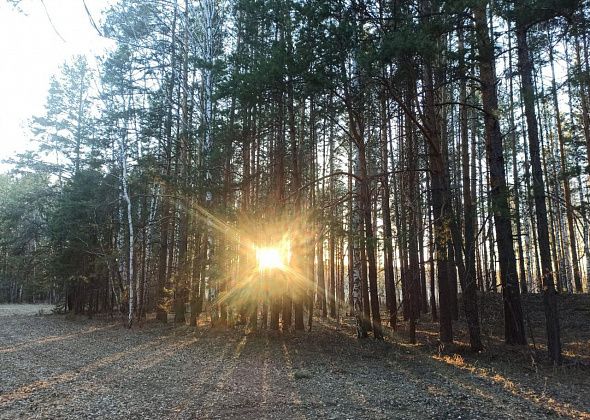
[269, 258]
[274, 257]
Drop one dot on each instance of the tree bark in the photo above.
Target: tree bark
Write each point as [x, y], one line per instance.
[549, 293]
[513, 319]
[440, 206]
[390, 295]
[567, 195]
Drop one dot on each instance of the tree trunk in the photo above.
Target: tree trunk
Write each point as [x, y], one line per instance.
[440, 206]
[549, 293]
[469, 280]
[513, 319]
[127, 201]
[567, 195]
[390, 295]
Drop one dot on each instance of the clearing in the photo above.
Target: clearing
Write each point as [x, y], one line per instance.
[57, 366]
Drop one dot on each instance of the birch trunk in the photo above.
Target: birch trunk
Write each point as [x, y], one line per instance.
[127, 200]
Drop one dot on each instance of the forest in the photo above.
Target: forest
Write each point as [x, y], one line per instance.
[276, 164]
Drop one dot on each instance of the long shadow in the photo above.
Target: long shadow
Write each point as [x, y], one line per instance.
[288, 363]
[263, 368]
[545, 402]
[53, 338]
[25, 391]
[518, 373]
[166, 358]
[205, 380]
[119, 366]
[246, 374]
[210, 395]
[452, 379]
[259, 376]
[331, 367]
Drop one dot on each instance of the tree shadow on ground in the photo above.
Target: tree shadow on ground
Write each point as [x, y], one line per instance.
[181, 372]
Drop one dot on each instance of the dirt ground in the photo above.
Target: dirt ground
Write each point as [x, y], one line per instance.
[53, 366]
[25, 309]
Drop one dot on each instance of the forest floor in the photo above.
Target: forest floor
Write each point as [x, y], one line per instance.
[54, 366]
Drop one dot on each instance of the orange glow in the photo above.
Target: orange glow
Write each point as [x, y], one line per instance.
[277, 257]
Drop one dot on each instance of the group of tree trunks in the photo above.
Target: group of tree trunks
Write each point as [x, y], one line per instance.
[397, 147]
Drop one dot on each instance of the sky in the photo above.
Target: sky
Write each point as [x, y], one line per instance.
[31, 52]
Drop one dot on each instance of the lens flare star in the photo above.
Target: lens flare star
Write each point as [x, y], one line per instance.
[269, 258]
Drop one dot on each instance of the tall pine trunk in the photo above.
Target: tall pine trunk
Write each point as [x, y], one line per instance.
[513, 318]
[390, 295]
[549, 293]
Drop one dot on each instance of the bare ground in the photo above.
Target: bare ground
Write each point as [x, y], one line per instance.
[57, 367]
[25, 309]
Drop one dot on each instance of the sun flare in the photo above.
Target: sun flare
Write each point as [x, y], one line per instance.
[269, 258]
[274, 257]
